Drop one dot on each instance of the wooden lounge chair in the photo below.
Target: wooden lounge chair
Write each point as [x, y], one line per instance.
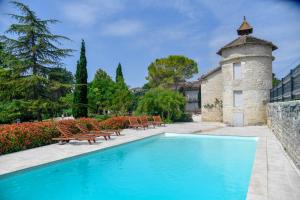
[110, 131]
[66, 135]
[134, 123]
[157, 121]
[144, 120]
[86, 131]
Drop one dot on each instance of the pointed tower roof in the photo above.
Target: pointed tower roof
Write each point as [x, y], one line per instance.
[245, 28]
[244, 38]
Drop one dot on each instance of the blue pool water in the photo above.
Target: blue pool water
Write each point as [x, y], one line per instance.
[168, 166]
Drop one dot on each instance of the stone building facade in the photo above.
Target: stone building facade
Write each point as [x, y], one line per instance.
[244, 80]
[211, 92]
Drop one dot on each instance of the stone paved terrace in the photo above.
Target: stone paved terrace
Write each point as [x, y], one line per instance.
[274, 175]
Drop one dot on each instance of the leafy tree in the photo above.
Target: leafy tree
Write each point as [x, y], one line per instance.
[61, 85]
[119, 74]
[101, 92]
[275, 80]
[136, 97]
[29, 59]
[67, 104]
[1, 54]
[61, 82]
[80, 108]
[122, 100]
[146, 86]
[164, 102]
[171, 71]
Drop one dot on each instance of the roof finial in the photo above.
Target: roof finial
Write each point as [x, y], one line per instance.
[245, 28]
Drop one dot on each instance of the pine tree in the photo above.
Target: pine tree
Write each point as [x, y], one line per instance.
[33, 53]
[119, 74]
[80, 93]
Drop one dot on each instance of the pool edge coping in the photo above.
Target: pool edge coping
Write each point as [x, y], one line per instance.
[78, 155]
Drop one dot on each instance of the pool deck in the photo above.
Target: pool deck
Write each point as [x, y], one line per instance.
[274, 175]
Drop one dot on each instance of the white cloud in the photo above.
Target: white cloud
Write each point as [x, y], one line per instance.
[122, 28]
[87, 12]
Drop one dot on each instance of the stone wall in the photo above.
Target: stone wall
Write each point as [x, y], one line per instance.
[284, 121]
[211, 89]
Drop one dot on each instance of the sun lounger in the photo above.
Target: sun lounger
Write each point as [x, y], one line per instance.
[86, 131]
[157, 121]
[144, 120]
[110, 131]
[133, 123]
[66, 135]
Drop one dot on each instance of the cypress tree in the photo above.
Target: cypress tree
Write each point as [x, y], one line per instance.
[119, 74]
[122, 99]
[81, 89]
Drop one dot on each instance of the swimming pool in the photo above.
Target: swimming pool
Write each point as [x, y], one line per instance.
[168, 166]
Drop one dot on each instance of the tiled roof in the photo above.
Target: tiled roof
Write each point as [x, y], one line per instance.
[246, 39]
[210, 73]
[193, 85]
[245, 28]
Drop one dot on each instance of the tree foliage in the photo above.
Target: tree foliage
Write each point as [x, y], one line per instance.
[164, 102]
[122, 100]
[101, 92]
[105, 95]
[170, 71]
[119, 74]
[80, 106]
[275, 80]
[61, 82]
[28, 58]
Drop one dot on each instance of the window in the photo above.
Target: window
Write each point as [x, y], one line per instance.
[237, 71]
[238, 98]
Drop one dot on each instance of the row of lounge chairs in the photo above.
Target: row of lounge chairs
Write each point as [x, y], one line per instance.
[90, 136]
[84, 134]
[144, 122]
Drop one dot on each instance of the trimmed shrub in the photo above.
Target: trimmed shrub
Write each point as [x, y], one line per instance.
[88, 122]
[120, 122]
[17, 137]
[71, 125]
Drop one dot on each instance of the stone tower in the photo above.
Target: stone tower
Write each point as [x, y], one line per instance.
[247, 78]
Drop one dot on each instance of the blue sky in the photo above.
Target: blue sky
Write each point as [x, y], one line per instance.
[135, 32]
